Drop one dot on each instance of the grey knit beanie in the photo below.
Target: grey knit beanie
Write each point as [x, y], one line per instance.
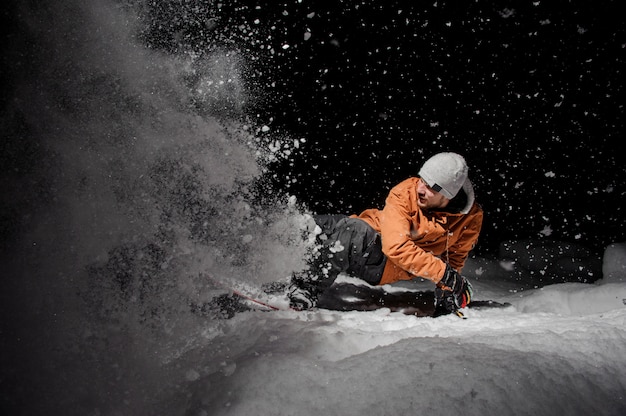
[445, 173]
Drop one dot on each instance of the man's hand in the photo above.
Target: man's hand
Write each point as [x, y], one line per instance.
[453, 292]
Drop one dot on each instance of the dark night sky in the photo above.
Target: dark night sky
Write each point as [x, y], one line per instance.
[530, 92]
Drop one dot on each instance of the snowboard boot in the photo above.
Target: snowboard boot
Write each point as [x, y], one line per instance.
[304, 292]
[301, 298]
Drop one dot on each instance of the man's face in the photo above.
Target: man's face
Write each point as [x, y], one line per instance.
[427, 198]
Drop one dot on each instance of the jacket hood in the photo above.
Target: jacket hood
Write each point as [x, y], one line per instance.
[463, 201]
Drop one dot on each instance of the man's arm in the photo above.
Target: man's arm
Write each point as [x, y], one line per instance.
[469, 231]
[397, 244]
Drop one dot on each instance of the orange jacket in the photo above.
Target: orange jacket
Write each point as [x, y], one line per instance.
[419, 243]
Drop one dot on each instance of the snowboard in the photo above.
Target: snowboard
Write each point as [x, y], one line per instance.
[346, 297]
[351, 297]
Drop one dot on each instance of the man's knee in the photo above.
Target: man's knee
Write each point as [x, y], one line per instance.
[328, 223]
[353, 231]
[363, 248]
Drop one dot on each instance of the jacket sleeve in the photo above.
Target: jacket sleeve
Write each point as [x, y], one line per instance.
[469, 232]
[397, 245]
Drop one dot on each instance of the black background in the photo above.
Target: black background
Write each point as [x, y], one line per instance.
[530, 92]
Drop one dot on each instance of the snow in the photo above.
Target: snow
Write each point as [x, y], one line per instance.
[557, 350]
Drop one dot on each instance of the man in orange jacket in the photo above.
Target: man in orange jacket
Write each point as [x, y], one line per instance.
[426, 229]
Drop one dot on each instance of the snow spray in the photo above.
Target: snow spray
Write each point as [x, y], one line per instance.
[134, 172]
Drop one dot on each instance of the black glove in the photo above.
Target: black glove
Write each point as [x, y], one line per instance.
[453, 291]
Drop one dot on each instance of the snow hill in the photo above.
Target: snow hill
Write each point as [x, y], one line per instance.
[559, 349]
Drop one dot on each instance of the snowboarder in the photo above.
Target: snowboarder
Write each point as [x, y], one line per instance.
[426, 229]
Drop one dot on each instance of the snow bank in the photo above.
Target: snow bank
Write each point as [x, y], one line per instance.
[614, 263]
[573, 299]
[557, 350]
[383, 363]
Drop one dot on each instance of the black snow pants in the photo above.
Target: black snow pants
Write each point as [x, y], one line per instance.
[349, 245]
